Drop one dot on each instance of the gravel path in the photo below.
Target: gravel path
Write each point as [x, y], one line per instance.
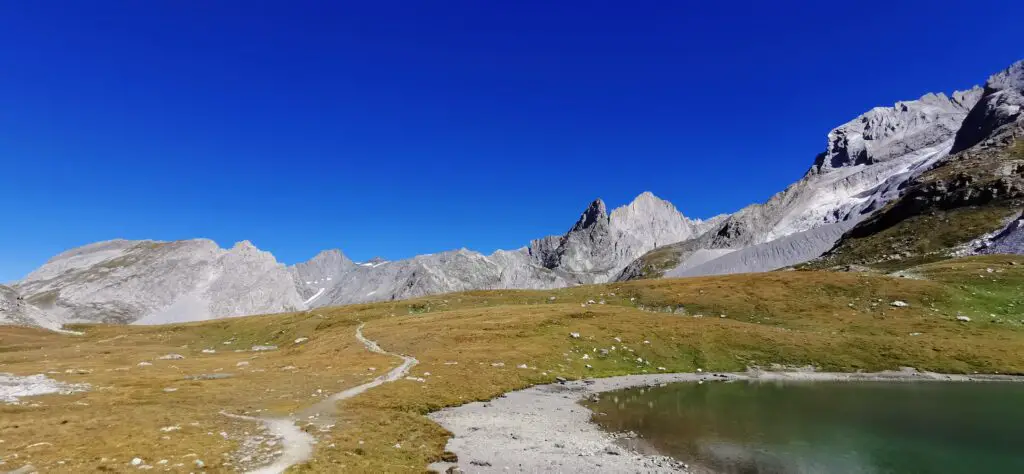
[545, 429]
[297, 445]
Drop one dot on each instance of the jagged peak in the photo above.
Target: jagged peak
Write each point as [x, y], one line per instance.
[1009, 78]
[595, 213]
[883, 132]
[330, 254]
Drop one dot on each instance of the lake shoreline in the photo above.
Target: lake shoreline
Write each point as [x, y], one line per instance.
[545, 428]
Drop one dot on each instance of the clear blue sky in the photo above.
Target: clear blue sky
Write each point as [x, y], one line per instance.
[397, 128]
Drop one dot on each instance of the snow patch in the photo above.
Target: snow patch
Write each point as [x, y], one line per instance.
[13, 387]
[317, 295]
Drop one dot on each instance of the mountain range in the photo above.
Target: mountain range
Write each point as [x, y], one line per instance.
[879, 174]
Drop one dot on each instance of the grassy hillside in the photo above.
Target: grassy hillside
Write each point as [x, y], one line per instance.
[472, 345]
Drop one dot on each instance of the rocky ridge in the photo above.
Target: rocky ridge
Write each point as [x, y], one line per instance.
[888, 163]
[974, 191]
[866, 164]
[123, 281]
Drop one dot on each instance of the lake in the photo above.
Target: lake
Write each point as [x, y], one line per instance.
[825, 427]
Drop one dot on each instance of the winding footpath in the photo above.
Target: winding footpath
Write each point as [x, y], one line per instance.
[297, 445]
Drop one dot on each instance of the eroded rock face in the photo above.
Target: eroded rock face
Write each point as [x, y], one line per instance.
[16, 311]
[320, 272]
[867, 163]
[157, 282]
[1002, 105]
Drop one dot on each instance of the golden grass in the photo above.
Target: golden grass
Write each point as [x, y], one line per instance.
[835, 321]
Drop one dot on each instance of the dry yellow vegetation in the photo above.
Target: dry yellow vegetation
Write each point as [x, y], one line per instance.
[474, 346]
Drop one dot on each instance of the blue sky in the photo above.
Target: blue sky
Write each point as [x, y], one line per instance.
[397, 128]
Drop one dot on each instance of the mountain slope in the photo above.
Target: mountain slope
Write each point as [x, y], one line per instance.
[125, 281]
[865, 164]
[14, 310]
[976, 191]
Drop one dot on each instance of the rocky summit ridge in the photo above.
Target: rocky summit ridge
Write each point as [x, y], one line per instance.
[867, 165]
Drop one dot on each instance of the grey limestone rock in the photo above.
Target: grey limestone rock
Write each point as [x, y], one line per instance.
[159, 282]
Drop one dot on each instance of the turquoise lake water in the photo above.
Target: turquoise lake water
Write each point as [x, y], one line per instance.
[862, 427]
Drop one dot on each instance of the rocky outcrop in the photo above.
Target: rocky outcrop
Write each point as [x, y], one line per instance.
[312, 277]
[14, 310]
[1002, 105]
[157, 282]
[867, 163]
[980, 185]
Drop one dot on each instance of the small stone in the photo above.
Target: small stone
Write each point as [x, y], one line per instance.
[588, 366]
[497, 364]
[963, 318]
[899, 304]
[574, 335]
[264, 348]
[144, 364]
[200, 464]
[209, 351]
[136, 461]
[561, 379]
[700, 370]
[242, 363]
[171, 357]
[522, 366]
[301, 340]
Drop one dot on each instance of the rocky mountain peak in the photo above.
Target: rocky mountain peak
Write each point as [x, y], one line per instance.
[1009, 78]
[884, 133]
[333, 256]
[595, 213]
[1002, 104]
